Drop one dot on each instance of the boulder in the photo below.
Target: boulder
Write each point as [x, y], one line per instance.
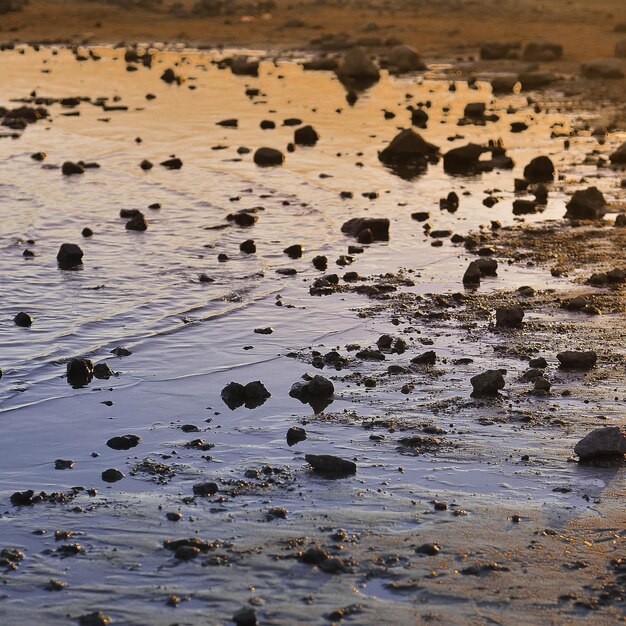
[305, 136]
[609, 441]
[542, 51]
[603, 69]
[357, 66]
[577, 360]
[509, 316]
[408, 147]
[488, 383]
[377, 226]
[329, 465]
[268, 157]
[619, 156]
[463, 160]
[403, 58]
[539, 170]
[69, 255]
[79, 372]
[586, 204]
[472, 275]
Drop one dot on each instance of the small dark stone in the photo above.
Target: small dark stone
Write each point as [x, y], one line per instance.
[79, 372]
[539, 170]
[295, 251]
[320, 263]
[573, 359]
[488, 383]
[268, 157]
[172, 164]
[112, 475]
[124, 442]
[245, 616]
[510, 316]
[305, 136]
[427, 358]
[23, 319]
[138, 223]
[69, 168]
[430, 549]
[69, 256]
[330, 465]
[248, 246]
[205, 489]
[97, 618]
[295, 434]
[87, 232]
[102, 371]
[63, 464]
[472, 274]
[146, 165]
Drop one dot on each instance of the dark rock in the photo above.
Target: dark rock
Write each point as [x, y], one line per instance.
[487, 267]
[602, 69]
[488, 383]
[494, 50]
[509, 316]
[403, 58]
[245, 616]
[79, 372]
[379, 227]
[268, 157]
[536, 79]
[186, 553]
[295, 251]
[120, 351]
[539, 362]
[609, 441]
[205, 489]
[586, 204]
[463, 160]
[267, 330]
[112, 475]
[248, 246]
[472, 274]
[430, 549]
[419, 117]
[305, 136]
[320, 263]
[252, 395]
[103, 371]
[146, 165]
[542, 51]
[87, 232]
[356, 66]
[574, 359]
[539, 170]
[241, 66]
[23, 319]
[329, 465]
[172, 164]
[229, 123]
[169, 76]
[408, 148]
[63, 464]
[69, 168]
[97, 618]
[138, 223]
[619, 156]
[525, 207]
[22, 498]
[420, 216]
[427, 358]
[124, 442]
[450, 203]
[69, 256]
[504, 83]
[295, 434]
[38, 156]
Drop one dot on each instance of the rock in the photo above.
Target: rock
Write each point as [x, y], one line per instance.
[305, 136]
[205, 489]
[509, 316]
[24, 320]
[320, 387]
[63, 464]
[609, 441]
[329, 465]
[248, 246]
[69, 168]
[487, 267]
[542, 384]
[574, 359]
[586, 204]
[320, 262]
[525, 207]
[494, 50]
[619, 156]
[430, 549]
[69, 256]
[97, 618]
[268, 157]
[241, 66]
[505, 83]
[536, 79]
[407, 147]
[22, 498]
[427, 358]
[419, 117]
[186, 553]
[403, 58]
[325, 64]
[169, 76]
[472, 274]
[295, 434]
[266, 330]
[603, 69]
[620, 221]
[79, 372]
[138, 223]
[172, 164]
[356, 66]
[112, 475]
[256, 390]
[86, 232]
[229, 123]
[120, 351]
[464, 159]
[146, 165]
[488, 383]
[252, 395]
[539, 170]
[295, 251]
[124, 442]
[539, 362]
[474, 110]
[379, 227]
[103, 371]
[245, 616]
[542, 51]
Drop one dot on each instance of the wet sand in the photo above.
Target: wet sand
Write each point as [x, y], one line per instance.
[462, 510]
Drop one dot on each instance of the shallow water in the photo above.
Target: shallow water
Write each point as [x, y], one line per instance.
[189, 339]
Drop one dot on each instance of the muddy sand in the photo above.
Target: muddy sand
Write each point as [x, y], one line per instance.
[226, 401]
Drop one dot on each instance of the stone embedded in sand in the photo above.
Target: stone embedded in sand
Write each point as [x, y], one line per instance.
[602, 69]
[241, 66]
[330, 465]
[69, 255]
[426, 358]
[294, 252]
[609, 441]
[619, 156]
[408, 147]
[586, 204]
[120, 351]
[23, 320]
[205, 489]
[268, 157]
[102, 371]
[38, 156]
[510, 316]
[505, 83]
[246, 616]
[229, 123]
[358, 66]
[542, 51]
[86, 232]
[472, 274]
[248, 246]
[169, 76]
[138, 223]
[488, 383]
[305, 136]
[487, 267]
[320, 263]
[620, 221]
[577, 360]
[146, 165]
[378, 227]
[97, 618]
[124, 442]
[525, 207]
[539, 170]
[79, 372]
[69, 168]
[463, 159]
[112, 475]
[404, 58]
[63, 464]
